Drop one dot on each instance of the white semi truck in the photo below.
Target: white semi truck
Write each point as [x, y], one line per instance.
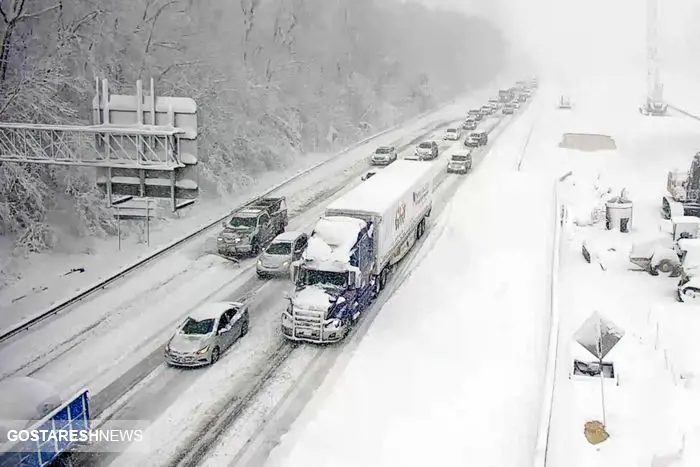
[353, 248]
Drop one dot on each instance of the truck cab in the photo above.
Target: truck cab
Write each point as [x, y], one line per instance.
[331, 281]
[252, 227]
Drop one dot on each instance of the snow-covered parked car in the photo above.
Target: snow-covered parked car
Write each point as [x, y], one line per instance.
[689, 285]
[207, 333]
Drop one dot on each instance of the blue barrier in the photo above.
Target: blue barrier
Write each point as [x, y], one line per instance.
[51, 438]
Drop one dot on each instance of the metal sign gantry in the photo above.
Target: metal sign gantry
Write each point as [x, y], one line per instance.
[140, 145]
[96, 145]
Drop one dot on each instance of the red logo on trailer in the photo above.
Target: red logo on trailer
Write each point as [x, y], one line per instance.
[400, 216]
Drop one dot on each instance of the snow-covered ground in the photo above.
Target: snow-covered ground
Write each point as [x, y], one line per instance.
[450, 370]
[186, 407]
[655, 408]
[33, 284]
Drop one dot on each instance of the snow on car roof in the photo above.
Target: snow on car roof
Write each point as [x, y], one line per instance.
[375, 195]
[212, 310]
[25, 398]
[333, 239]
[288, 236]
[248, 212]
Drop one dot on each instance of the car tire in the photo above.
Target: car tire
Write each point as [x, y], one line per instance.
[255, 249]
[244, 327]
[215, 354]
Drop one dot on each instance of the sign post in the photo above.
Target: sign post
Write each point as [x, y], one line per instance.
[599, 336]
[119, 230]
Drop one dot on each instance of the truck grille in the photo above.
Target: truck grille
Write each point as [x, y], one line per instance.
[308, 323]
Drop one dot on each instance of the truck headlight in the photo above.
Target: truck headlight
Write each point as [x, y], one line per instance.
[286, 320]
[236, 240]
[219, 239]
[333, 324]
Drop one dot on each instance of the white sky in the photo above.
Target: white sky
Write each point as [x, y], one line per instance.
[571, 37]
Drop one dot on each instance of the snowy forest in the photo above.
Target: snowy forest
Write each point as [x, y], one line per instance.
[269, 77]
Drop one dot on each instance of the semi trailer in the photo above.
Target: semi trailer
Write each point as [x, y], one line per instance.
[353, 248]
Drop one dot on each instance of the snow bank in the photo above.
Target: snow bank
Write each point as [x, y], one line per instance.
[23, 400]
[586, 198]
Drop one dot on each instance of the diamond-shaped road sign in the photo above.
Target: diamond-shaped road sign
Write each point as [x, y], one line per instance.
[598, 335]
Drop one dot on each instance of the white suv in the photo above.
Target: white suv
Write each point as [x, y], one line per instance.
[453, 134]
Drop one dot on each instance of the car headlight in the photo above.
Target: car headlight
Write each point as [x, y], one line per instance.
[236, 240]
[286, 320]
[333, 324]
[285, 264]
[259, 262]
[202, 351]
[167, 347]
[220, 239]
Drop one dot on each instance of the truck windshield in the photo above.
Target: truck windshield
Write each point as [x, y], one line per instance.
[247, 222]
[313, 277]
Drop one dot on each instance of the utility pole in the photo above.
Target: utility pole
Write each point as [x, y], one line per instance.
[655, 100]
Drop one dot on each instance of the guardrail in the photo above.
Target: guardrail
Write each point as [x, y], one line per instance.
[542, 444]
[102, 284]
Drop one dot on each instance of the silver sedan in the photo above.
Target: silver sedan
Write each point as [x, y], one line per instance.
[207, 333]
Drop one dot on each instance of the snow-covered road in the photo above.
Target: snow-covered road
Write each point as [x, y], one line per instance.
[451, 369]
[98, 342]
[183, 428]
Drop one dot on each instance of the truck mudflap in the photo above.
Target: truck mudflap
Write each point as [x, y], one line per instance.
[72, 417]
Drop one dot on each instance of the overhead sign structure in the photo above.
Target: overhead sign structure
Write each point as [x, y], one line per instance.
[175, 116]
[140, 145]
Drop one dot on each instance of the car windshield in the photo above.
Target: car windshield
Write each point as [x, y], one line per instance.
[279, 248]
[459, 158]
[243, 222]
[383, 151]
[201, 327]
[451, 130]
[313, 277]
[425, 145]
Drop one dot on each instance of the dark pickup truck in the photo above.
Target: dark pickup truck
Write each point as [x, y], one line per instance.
[252, 227]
